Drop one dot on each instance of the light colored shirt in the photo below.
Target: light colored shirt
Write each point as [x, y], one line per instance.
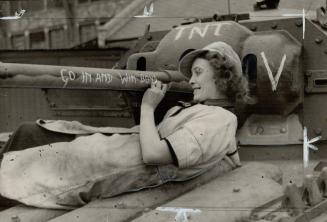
[69, 174]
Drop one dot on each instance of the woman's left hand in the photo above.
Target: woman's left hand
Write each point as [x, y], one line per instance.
[153, 95]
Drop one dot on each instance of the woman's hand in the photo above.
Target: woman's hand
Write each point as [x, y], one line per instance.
[154, 150]
[153, 95]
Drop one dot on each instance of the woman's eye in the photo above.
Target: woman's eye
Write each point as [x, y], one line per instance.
[197, 71]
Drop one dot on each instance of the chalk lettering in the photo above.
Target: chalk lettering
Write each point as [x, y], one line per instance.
[218, 28]
[72, 75]
[64, 78]
[180, 32]
[106, 77]
[198, 30]
[98, 78]
[127, 78]
[87, 78]
[103, 78]
[146, 78]
[109, 78]
[273, 80]
[123, 79]
[133, 79]
[153, 78]
[201, 31]
[142, 78]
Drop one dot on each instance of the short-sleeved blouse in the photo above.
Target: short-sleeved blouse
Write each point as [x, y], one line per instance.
[69, 174]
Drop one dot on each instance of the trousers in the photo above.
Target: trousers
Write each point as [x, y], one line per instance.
[28, 135]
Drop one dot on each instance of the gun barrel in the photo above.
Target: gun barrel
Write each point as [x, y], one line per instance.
[49, 76]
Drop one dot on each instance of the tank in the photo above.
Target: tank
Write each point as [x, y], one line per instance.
[284, 59]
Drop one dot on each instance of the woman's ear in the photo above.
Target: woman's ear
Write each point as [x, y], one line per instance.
[228, 74]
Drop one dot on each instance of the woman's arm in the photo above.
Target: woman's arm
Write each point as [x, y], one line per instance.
[154, 150]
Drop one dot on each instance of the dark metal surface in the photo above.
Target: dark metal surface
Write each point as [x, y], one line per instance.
[314, 59]
[20, 105]
[291, 25]
[315, 116]
[77, 103]
[99, 58]
[315, 45]
[276, 45]
[317, 81]
[314, 66]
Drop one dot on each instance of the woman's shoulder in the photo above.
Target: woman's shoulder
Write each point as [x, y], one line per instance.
[196, 111]
[219, 112]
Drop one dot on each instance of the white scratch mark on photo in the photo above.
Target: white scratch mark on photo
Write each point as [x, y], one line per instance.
[17, 15]
[298, 15]
[303, 23]
[307, 144]
[181, 213]
[146, 12]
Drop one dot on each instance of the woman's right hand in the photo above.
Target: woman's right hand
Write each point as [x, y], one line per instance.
[154, 95]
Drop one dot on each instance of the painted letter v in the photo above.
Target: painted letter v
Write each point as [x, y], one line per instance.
[273, 80]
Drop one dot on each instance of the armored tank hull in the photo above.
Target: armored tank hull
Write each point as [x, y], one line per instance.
[286, 70]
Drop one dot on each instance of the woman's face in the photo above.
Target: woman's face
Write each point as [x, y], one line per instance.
[203, 81]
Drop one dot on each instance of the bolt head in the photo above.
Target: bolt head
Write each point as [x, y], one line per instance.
[283, 130]
[253, 28]
[318, 131]
[260, 130]
[298, 23]
[308, 74]
[149, 37]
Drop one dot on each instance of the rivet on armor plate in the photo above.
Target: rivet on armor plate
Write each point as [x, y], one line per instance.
[274, 26]
[318, 40]
[318, 131]
[283, 130]
[260, 130]
[253, 28]
[298, 23]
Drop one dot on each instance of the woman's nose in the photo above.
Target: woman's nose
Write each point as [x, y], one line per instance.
[192, 80]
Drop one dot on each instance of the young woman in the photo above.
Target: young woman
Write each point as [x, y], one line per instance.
[189, 141]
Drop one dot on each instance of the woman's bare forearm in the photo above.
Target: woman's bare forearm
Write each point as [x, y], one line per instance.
[154, 150]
